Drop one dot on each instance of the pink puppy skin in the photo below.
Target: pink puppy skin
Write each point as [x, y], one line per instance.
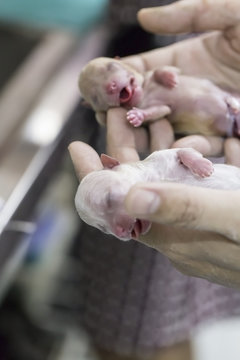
[100, 196]
[192, 105]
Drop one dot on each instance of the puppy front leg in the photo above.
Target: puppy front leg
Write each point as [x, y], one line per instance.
[137, 116]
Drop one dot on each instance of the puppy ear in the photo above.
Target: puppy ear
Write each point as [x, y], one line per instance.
[108, 161]
[101, 117]
[113, 65]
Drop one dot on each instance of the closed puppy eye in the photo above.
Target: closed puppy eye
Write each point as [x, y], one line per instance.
[109, 200]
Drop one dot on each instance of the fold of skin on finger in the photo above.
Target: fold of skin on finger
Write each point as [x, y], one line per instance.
[211, 272]
[85, 159]
[206, 145]
[190, 16]
[187, 206]
[197, 253]
[120, 136]
[232, 151]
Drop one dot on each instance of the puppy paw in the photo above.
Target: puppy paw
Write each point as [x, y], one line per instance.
[202, 167]
[135, 117]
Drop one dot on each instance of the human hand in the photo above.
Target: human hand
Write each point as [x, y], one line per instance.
[198, 229]
[215, 55]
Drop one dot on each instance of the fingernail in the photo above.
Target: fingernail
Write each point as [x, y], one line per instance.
[143, 202]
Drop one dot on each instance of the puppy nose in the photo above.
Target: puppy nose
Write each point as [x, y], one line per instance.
[121, 231]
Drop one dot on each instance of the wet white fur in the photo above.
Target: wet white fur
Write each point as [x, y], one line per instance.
[160, 166]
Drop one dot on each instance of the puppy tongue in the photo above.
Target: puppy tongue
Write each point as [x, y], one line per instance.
[125, 94]
[140, 227]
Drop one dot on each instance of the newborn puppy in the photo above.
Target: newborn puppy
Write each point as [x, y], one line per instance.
[192, 105]
[100, 196]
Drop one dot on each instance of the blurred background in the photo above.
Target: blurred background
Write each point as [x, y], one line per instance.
[46, 309]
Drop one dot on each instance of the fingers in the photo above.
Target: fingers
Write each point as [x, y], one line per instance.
[152, 59]
[232, 151]
[206, 145]
[207, 55]
[85, 159]
[190, 16]
[197, 253]
[141, 140]
[192, 207]
[161, 135]
[120, 136]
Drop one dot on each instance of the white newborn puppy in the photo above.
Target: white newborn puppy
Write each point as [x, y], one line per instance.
[100, 196]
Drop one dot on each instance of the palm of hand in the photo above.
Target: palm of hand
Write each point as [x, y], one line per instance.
[215, 56]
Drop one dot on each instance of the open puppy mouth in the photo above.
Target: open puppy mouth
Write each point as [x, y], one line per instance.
[126, 93]
[141, 227]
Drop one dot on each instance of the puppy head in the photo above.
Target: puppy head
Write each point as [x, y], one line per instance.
[100, 203]
[106, 83]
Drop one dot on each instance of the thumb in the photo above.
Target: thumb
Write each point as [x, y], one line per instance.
[191, 16]
[85, 159]
[187, 206]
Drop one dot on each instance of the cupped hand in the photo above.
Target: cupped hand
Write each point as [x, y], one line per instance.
[198, 229]
[214, 55]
